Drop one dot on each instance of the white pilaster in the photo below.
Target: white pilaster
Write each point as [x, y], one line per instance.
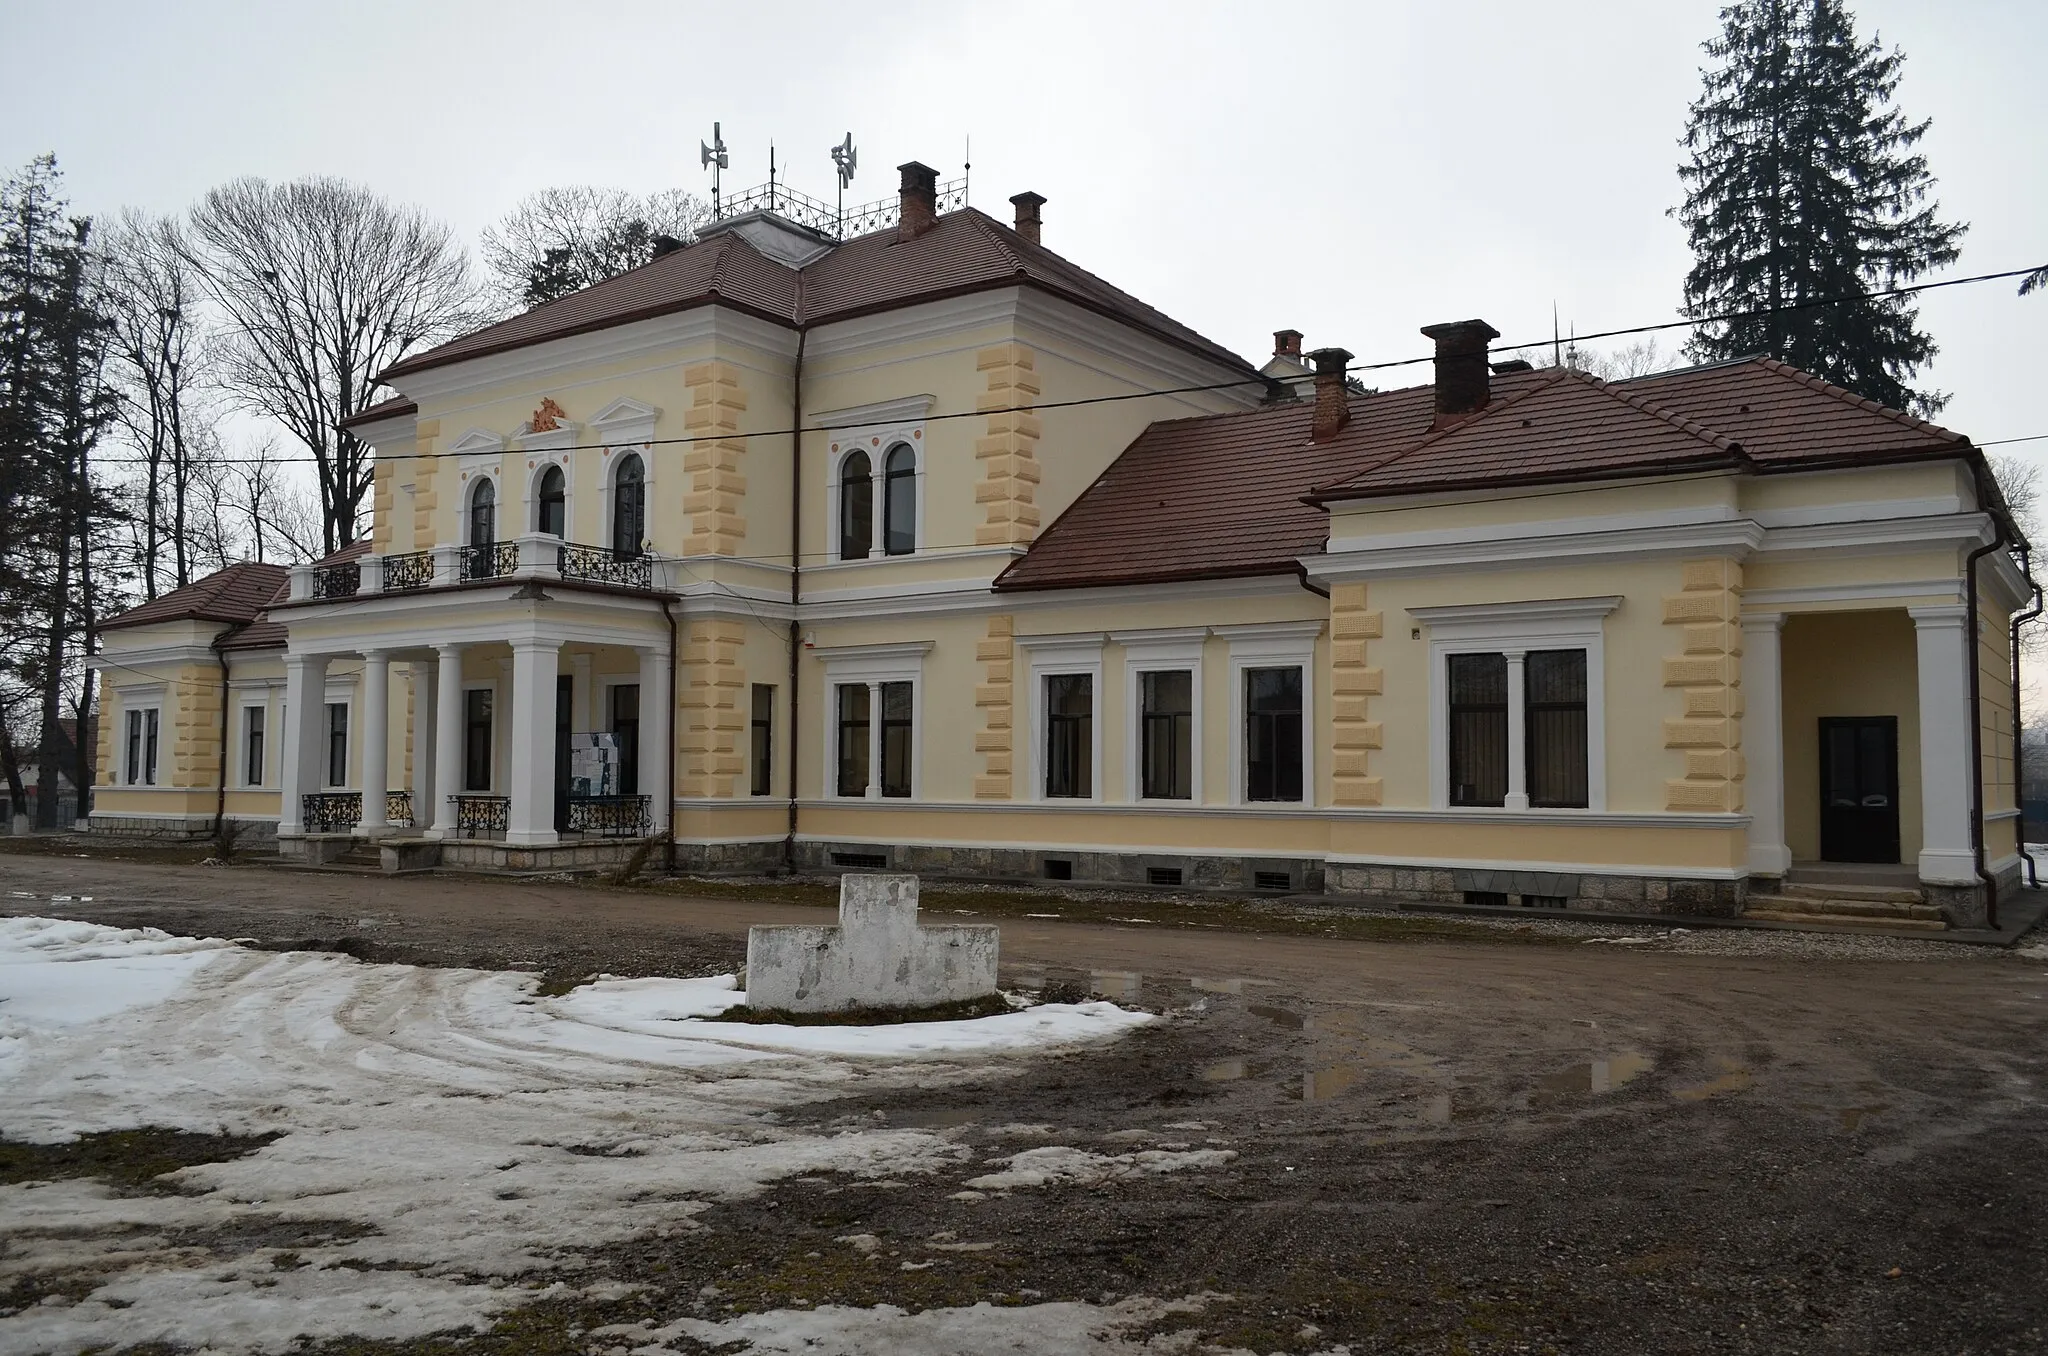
[426, 707]
[1943, 632]
[874, 791]
[532, 813]
[655, 736]
[448, 734]
[1763, 741]
[1517, 797]
[305, 707]
[376, 739]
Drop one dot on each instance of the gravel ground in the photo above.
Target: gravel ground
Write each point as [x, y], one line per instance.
[1471, 1135]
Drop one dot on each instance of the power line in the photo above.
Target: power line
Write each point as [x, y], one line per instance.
[1382, 366]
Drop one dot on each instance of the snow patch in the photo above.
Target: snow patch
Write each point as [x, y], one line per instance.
[1056, 1163]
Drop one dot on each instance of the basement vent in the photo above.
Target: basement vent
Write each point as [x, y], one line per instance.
[1486, 899]
[1272, 880]
[1546, 901]
[1162, 875]
[1058, 870]
[861, 861]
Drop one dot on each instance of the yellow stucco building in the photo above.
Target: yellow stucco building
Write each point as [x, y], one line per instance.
[928, 549]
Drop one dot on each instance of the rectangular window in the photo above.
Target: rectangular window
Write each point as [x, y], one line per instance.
[337, 743]
[252, 745]
[476, 739]
[1479, 729]
[763, 740]
[1166, 755]
[142, 740]
[896, 739]
[853, 739]
[625, 725]
[1069, 735]
[1556, 683]
[1272, 734]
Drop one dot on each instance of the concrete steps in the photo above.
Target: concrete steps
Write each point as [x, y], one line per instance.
[1848, 906]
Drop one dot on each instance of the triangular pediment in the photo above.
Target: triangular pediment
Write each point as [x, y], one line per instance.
[477, 442]
[624, 410]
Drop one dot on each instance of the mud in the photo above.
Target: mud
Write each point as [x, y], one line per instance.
[1440, 1147]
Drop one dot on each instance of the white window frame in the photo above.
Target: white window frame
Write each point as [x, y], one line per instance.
[1514, 629]
[538, 464]
[468, 502]
[876, 430]
[608, 499]
[140, 700]
[242, 746]
[1054, 656]
[340, 692]
[1174, 651]
[1273, 645]
[870, 666]
[625, 425]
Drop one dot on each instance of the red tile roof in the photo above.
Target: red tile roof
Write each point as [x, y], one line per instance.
[1223, 496]
[965, 251]
[383, 409]
[235, 594]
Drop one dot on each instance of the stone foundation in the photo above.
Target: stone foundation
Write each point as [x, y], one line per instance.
[1278, 875]
[254, 833]
[1964, 905]
[1393, 886]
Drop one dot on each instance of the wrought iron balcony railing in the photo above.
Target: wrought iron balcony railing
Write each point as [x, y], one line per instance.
[837, 223]
[611, 816]
[403, 574]
[338, 581]
[489, 560]
[332, 811]
[481, 814]
[398, 808]
[603, 565]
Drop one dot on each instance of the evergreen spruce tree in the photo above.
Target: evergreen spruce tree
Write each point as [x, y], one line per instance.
[1802, 183]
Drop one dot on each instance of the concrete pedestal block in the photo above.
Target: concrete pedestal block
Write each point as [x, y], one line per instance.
[879, 955]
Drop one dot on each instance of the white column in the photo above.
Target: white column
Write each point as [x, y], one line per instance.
[448, 735]
[425, 743]
[655, 736]
[1943, 632]
[1763, 742]
[532, 816]
[305, 707]
[376, 739]
[874, 791]
[1517, 797]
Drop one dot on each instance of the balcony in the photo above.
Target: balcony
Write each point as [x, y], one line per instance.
[532, 556]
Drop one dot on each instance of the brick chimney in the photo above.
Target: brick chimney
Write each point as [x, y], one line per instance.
[1463, 381]
[1027, 205]
[1287, 343]
[920, 200]
[1333, 401]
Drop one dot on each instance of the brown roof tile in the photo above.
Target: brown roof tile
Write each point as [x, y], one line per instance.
[235, 594]
[964, 251]
[1223, 495]
[383, 409]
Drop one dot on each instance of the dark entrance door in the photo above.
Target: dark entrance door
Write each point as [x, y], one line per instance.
[1859, 789]
[565, 707]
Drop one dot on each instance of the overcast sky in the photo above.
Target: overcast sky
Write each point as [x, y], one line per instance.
[1353, 170]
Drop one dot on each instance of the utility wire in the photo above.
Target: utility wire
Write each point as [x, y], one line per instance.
[1042, 406]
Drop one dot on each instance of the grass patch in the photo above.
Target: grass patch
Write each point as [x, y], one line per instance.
[130, 1159]
[964, 1010]
[180, 852]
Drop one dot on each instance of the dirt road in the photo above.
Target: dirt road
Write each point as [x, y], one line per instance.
[1442, 1146]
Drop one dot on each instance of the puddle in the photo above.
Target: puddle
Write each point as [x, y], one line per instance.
[940, 1118]
[1595, 1076]
[1234, 985]
[1323, 1084]
[1231, 1070]
[1852, 1117]
[1115, 983]
[1293, 1021]
[1732, 1078]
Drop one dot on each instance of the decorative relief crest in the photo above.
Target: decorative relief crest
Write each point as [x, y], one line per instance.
[548, 417]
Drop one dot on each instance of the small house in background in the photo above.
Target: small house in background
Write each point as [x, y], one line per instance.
[895, 540]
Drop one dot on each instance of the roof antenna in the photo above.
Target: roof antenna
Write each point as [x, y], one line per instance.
[713, 157]
[771, 176]
[967, 170]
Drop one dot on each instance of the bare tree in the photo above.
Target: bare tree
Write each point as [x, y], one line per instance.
[1631, 360]
[561, 240]
[153, 298]
[324, 285]
[271, 506]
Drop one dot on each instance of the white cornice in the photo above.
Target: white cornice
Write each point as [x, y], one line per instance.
[1880, 536]
[1737, 537]
[1881, 591]
[1544, 610]
[901, 649]
[910, 409]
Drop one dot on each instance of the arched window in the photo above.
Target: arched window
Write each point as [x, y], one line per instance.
[856, 507]
[899, 501]
[483, 513]
[554, 502]
[629, 506]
